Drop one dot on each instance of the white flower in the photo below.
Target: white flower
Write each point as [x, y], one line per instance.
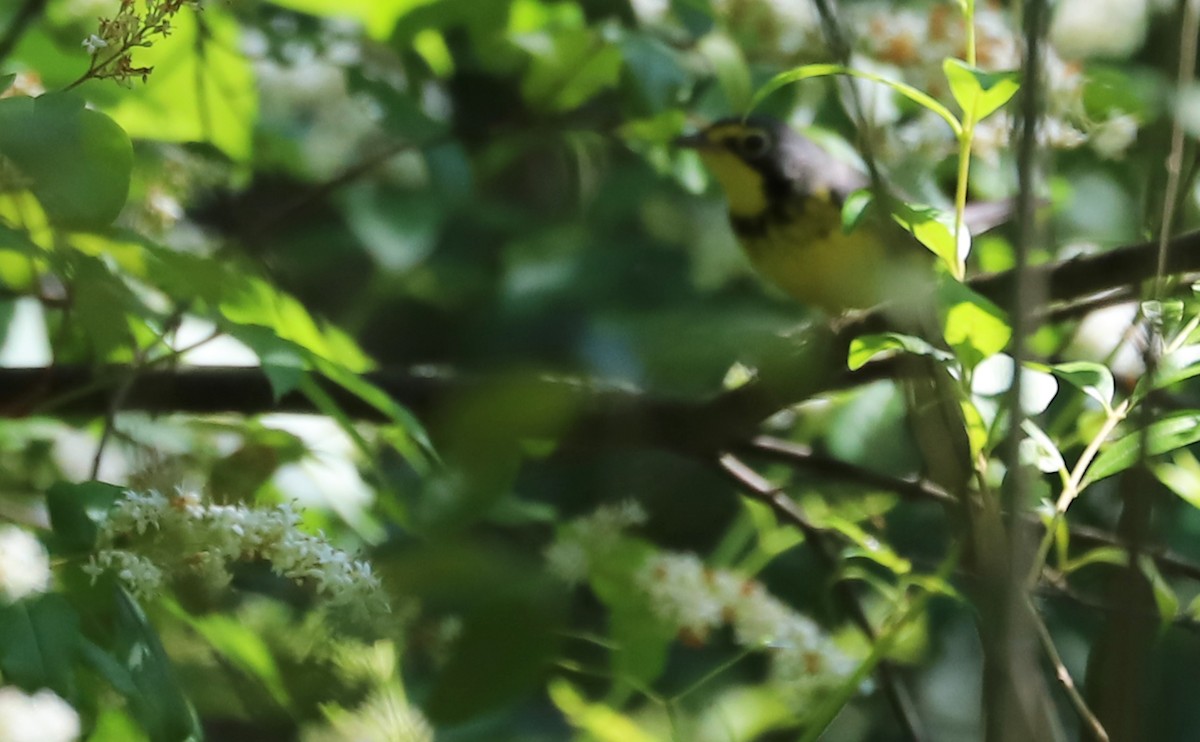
[1111, 138]
[1098, 28]
[42, 717]
[24, 564]
[678, 590]
[568, 560]
[93, 44]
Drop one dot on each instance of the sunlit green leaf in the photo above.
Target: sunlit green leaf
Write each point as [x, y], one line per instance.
[599, 722]
[1162, 436]
[202, 88]
[1093, 379]
[975, 328]
[978, 91]
[867, 347]
[824, 70]
[1111, 555]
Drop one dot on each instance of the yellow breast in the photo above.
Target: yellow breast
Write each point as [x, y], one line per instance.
[808, 254]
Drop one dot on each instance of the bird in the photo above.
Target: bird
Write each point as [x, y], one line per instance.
[786, 195]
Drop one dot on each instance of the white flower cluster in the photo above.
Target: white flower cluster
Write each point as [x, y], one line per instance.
[695, 600]
[42, 717]
[24, 564]
[685, 593]
[163, 538]
[587, 539]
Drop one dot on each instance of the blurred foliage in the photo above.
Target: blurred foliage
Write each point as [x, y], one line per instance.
[322, 188]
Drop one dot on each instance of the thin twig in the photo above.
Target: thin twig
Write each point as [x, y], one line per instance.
[758, 488]
[1090, 722]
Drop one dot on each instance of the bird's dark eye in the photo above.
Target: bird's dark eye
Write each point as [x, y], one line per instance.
[755, 144]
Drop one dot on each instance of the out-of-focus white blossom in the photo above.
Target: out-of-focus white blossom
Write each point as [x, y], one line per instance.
[588, 539]
[163, 538]
[24, 564]
[1111, 138]
[41, 717]
[1098, 28]
[695, 600]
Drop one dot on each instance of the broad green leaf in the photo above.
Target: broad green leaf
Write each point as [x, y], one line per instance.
[824, 70]
[114, 725]
[78, 161]
[977, 91]
[1181, 476]
[76, 512]
[283, 362]
[975, 328]
[243, 648]
[38, 638]
[202, 88]
[867, 347]
[599, 722]
[1162, 436]
[1093, 379]
[935, 230]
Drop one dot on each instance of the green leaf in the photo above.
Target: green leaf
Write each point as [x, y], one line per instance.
[283, 362]
[202, 88]
[76, 512]
[1113, 555]
[569, 68]
[934, 229]
[728, 63]
[865, 348]
[38, 638]
[600, 722]
[242, 648]
[855, 208]
[1181, 476]
[867, 545]
[975, 328]
[78, 161]
[1093, 379]
[1162, 436]
[1165, 598]
[977, 91]
[157, 700]
[824, 70]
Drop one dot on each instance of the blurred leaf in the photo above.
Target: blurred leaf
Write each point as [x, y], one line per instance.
[38, 639]
[978, 91]
[76, 512]
[867, 545]
[975, 328]
[1172, 432]
[243, 648]
[1113, 555]
[1093, 379]
[202, 88]
[655, 71]
[114, 725]
[1042, 452]
[569, 68]
[601, 723]
[78, 161]
[729, 65]
[865, 348]
[1165, 598]
[157, 702]
[284, 363]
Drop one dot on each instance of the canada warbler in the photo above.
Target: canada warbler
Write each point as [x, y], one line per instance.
[785, 196]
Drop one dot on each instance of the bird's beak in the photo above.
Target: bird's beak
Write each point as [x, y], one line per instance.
[692, 141]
